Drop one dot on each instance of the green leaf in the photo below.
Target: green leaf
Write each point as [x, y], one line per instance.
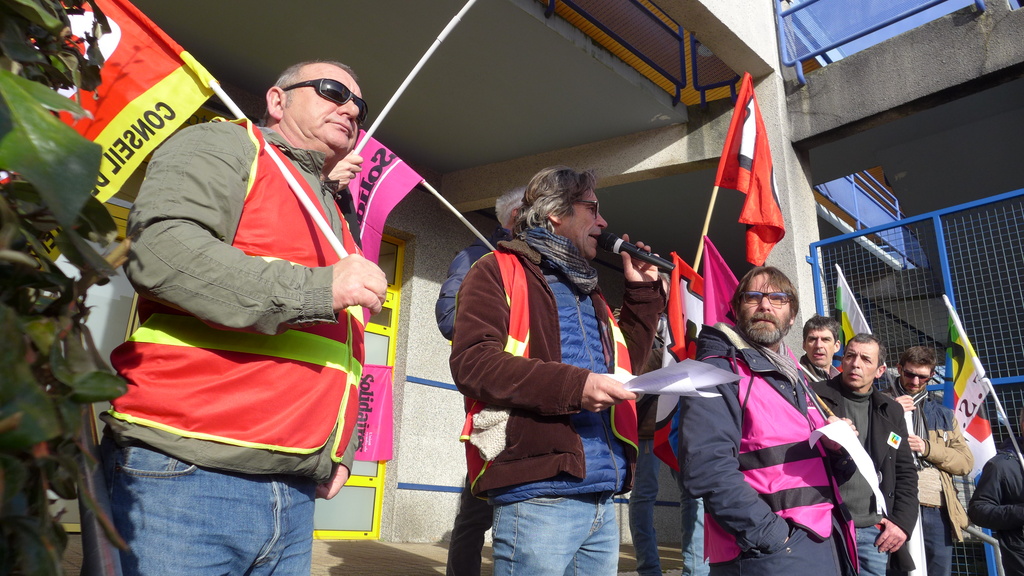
[43, 332]
[36, 554]
[82, 254]
[50, 99]
[48, 153]
[15, 475]
[34, 12]
[13, 43]
[62, 473]
[97, 386]
[21, 394]
[96, 224]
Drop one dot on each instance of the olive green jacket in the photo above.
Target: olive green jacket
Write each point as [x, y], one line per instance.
[181, 228]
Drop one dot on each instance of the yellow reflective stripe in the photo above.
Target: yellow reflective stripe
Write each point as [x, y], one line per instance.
[619, 435]
[211, 437]
[515, 347]
[255, 159]
[173, 330]
[354, 377]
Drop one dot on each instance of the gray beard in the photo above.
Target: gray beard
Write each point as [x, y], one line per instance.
[764, 335]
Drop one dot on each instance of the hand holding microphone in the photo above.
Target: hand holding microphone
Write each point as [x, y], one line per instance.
[613, 243]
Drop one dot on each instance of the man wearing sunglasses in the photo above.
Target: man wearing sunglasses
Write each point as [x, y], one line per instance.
[239, 408]
[771, 500]
[941, 452]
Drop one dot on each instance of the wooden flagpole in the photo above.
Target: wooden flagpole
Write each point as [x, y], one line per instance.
[704, 232]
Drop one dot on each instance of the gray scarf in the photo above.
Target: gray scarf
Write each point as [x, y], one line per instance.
[563, 256]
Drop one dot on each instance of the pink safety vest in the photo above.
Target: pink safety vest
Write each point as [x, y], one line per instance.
[777, 462]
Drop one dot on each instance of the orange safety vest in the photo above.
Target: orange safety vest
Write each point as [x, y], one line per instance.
[513, 278]
[284, 392]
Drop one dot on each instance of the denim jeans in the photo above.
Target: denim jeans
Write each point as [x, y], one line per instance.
[938, 542]
[641, 511]
[692, 536]
[570, 536]
[641, 520]
[181, 519]
[872, 562]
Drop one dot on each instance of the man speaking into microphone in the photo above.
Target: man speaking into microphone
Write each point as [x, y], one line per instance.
[551, 436]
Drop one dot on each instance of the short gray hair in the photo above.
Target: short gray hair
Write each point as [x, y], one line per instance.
[508, 203]
[552, 192]
[292, 73]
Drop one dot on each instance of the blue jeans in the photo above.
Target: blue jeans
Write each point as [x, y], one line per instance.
[692, 536]
[570, 536]
[641, 519]
[181, 519]
[938, 542]
[872, 562]
[641, 511]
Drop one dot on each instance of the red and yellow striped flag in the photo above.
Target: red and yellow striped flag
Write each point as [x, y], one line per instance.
[149, 87]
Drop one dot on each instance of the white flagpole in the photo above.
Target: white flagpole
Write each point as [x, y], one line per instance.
[408, 79]
[304, 199]
[398, 93]
[980, 370]
[458, 214]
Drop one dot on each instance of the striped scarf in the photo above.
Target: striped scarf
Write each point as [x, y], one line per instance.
[565, 257]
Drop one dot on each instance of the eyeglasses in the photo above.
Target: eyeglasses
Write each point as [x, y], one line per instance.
[915, 376]
[777, 299]
[594, 205]
[335, 92]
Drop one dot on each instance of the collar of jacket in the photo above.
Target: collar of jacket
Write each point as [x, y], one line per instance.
[310, 160]
[755, 361]
[520, 247]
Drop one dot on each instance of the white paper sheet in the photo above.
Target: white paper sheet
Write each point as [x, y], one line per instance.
[841, 433]
[686, 378]
[916, 542]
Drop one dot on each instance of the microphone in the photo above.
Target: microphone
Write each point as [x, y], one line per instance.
[613, 243]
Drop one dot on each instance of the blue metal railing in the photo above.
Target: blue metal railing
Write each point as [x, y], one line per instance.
[642, 31]
[630, 24]
[812, 28]
[709, 71]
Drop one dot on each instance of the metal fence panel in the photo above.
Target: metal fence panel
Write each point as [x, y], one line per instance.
[973, 253]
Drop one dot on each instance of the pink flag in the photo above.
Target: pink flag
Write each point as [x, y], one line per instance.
[382, 184]
[375, 426]
[719, 285]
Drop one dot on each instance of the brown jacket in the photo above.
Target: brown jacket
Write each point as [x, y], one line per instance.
[542, 392]
[948, 451]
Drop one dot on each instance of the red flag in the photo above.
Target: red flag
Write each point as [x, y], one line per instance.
[746, 165]
[719, 286]
[685, 313]
[150, 86]
[383, 182]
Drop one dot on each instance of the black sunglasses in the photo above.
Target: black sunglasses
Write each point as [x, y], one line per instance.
[335, 92]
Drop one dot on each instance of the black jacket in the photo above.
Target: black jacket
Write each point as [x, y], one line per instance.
[895, 466]
[998, 504]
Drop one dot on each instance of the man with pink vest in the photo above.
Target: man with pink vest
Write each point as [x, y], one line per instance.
[771, 499]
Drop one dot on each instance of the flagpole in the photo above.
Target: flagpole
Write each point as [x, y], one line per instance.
[296, 188]
[398, 93]
[458, 214]
[980, 370]
[704, 232]
[408, 79]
